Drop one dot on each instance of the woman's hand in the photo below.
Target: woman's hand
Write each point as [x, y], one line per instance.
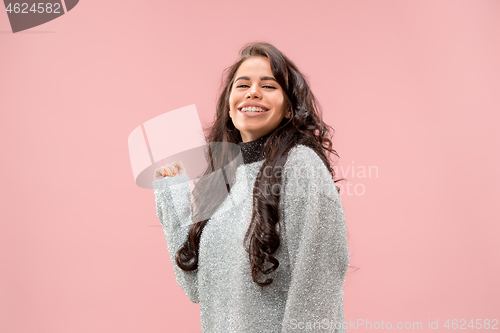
[170, 170]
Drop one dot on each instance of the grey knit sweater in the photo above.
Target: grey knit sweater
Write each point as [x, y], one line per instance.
[306, 294]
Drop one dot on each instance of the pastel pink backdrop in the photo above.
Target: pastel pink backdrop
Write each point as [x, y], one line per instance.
[411, 88]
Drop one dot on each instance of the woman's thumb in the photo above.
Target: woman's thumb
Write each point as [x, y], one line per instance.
[181, 167]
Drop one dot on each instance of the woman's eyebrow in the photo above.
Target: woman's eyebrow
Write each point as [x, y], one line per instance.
[262, 78]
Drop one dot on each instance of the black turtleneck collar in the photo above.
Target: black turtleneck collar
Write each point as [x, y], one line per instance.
[252, 150]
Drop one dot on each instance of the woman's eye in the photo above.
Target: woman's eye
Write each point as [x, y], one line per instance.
[244, 85]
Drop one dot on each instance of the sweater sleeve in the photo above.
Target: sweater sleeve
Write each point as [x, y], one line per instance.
[173, 200]
[316, 241]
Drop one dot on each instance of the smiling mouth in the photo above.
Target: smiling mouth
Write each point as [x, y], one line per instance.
[252, 110]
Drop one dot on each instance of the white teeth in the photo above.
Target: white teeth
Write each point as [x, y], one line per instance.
[252, 109]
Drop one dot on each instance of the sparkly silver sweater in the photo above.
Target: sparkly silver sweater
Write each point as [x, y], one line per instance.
[306, 294]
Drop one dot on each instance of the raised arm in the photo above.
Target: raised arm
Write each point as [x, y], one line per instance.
[173, 199]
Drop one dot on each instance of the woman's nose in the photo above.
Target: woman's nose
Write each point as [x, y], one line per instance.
[254, 92]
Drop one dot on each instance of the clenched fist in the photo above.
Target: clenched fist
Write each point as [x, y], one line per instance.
[171, 170]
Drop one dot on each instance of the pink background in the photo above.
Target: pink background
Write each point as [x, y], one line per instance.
[411, 88]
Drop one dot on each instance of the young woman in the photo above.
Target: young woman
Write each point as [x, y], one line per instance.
[273, 255]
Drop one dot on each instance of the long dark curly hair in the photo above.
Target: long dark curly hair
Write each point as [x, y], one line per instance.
[305, 126]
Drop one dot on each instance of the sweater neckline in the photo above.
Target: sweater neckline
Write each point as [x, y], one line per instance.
[252, 151]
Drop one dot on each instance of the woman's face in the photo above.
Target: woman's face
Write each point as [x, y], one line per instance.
[254, 84]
